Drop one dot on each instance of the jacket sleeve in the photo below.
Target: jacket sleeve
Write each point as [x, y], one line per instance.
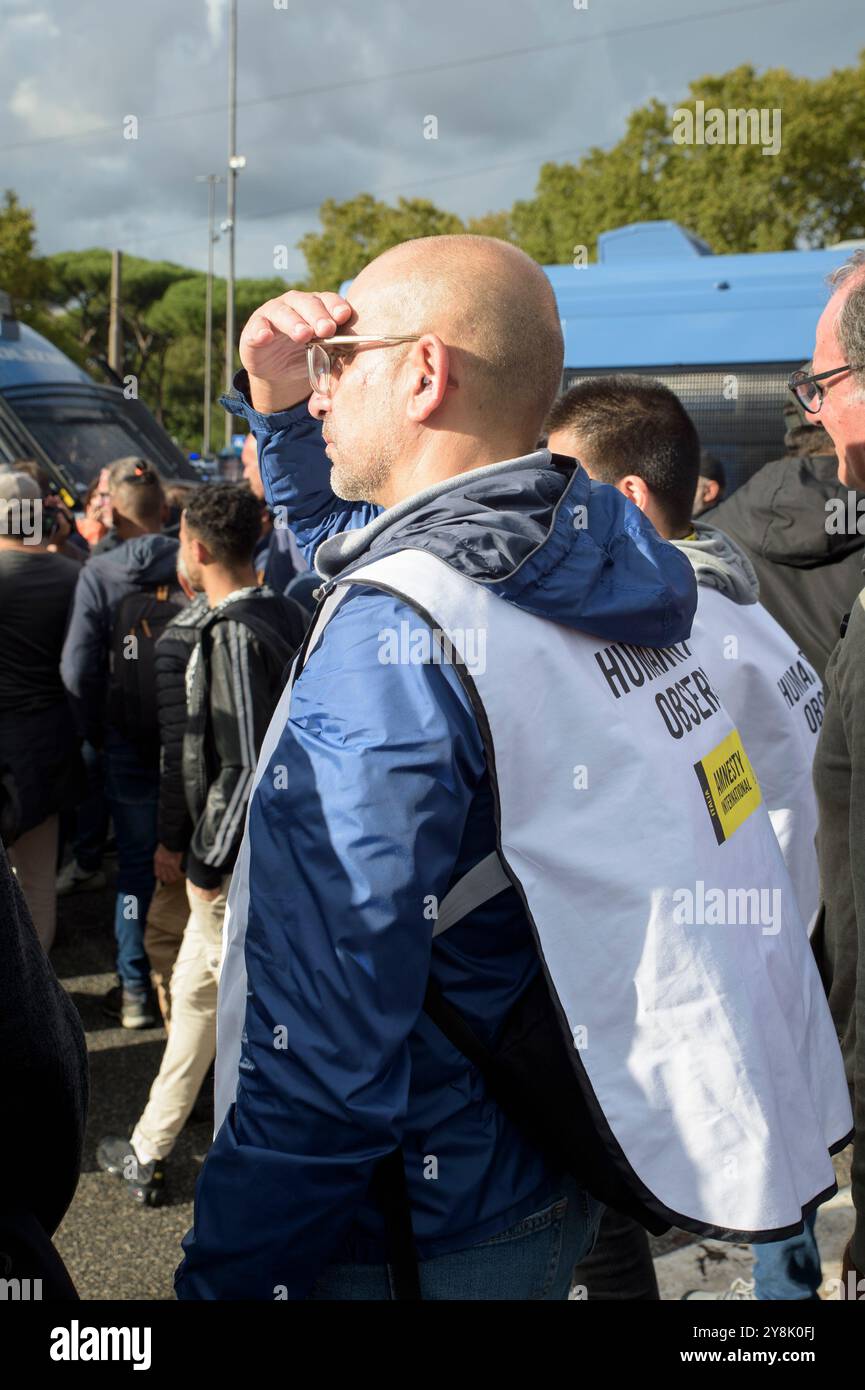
[240, 708]
[174, 826]
[295, 472]
[850, 693]
[355, 829]
[84, 659]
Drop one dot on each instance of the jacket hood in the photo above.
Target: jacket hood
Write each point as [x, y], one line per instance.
[718, 563]
[143, 560]
[780, 513]
[546, 539]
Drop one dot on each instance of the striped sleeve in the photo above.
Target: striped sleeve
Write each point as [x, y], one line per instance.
[240, 708]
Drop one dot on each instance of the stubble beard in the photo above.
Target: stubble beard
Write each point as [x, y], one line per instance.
[363, 480]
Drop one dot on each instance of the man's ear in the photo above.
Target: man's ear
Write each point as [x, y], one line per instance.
[711, 488]
[634, 488]
[428, 366]
[201, 554]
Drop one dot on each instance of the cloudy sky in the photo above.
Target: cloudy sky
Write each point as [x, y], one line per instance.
[332, 100]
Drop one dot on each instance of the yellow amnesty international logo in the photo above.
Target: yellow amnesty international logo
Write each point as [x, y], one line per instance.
[729, 785]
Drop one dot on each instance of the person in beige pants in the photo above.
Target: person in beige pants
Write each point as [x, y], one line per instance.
[166, 923]
[191, 1043]
[232, 680]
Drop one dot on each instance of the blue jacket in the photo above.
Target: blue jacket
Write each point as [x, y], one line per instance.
[389, 804]
[102, 583]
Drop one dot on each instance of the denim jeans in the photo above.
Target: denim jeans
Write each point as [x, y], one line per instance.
[132, 793]
[789, 1269]
[91, 816]
[532, 1260]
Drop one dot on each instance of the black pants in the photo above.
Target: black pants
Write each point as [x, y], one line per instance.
[620, 1267]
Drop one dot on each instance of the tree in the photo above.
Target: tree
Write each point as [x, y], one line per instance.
[737, 198]
[23, 274]
[357, 231]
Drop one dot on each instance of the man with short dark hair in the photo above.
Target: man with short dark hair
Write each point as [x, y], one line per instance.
[636, 434]
[123, 599]
[233, 680]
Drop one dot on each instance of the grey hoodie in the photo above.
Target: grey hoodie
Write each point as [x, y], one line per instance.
[718, 563]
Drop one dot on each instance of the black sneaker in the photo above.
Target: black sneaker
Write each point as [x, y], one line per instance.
[112, 1001]
[145, 1182]
[135, 1008]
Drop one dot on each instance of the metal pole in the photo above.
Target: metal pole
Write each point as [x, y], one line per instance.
[212, 180]
[115, 319]
[232, 180]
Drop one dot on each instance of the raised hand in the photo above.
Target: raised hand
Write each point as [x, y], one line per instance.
[274, 340]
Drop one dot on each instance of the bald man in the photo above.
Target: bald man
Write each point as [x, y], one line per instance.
[396, 433]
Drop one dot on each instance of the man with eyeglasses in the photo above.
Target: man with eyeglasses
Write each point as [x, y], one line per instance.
[833, 392]
[467, 773]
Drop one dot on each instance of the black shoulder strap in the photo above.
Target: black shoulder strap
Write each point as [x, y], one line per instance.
[389, 1190]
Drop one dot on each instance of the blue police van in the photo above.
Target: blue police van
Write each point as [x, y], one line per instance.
[724, 332]
[71, 425]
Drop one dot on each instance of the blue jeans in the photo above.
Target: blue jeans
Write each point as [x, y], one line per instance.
[532, 1260]
[91, 816]
[789, 1269]
[132, 793]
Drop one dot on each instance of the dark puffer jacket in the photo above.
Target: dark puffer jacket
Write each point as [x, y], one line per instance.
[809, 575]
[173, 651]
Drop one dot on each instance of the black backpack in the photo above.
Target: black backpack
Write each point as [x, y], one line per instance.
[140, 619]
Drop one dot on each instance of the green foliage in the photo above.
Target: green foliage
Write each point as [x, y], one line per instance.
[357, 231]
[736, 197]
[23, 274]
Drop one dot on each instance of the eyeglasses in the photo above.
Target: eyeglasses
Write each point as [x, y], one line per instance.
[807, 389]
[324, 360]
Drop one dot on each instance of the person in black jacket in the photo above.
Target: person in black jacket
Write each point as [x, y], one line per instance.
[40, 769]
[46, 1089]
[143, 564]
[809, 573]
[233, 680]
[169, 907]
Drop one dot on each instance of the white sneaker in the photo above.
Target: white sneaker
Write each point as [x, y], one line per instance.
[739, 1289]
[73, 879]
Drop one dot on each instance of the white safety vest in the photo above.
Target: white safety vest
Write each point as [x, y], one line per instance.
[775, 698]
[632, 822]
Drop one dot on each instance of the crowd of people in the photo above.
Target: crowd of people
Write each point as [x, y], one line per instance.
[484, 783]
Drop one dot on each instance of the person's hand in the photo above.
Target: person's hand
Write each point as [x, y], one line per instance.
[207, 895]
[273, 345]
[166, 865]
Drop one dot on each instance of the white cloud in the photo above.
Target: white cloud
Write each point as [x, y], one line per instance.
[46, 116]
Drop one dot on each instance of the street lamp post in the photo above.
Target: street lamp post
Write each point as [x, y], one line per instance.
[235, 162]
[211, 180]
